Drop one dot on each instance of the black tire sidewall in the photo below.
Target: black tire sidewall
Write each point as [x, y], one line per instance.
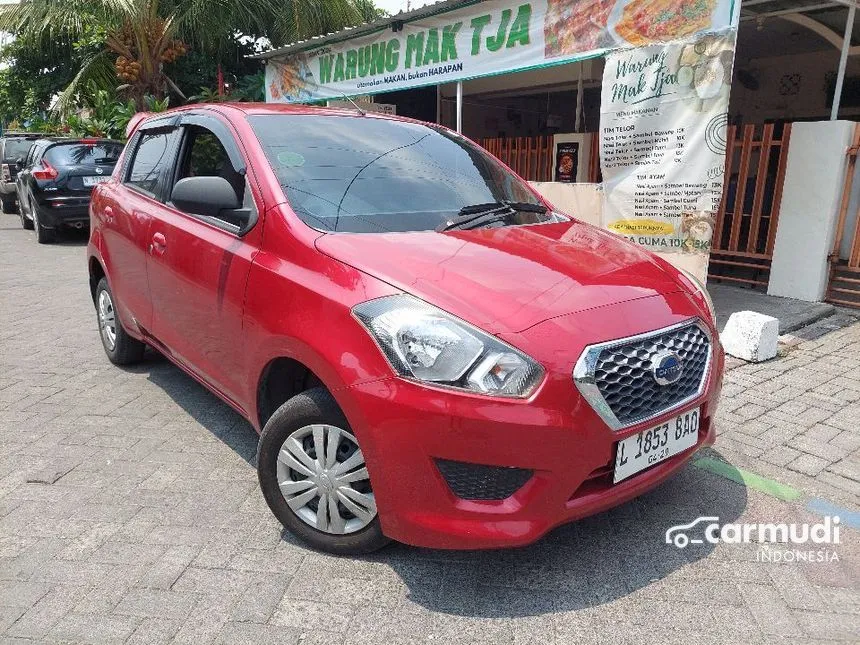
[310, 407]
[126, 349]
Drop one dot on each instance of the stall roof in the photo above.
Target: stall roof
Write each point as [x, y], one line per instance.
[429, 9]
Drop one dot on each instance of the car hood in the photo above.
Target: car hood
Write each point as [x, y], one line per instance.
[507, 279]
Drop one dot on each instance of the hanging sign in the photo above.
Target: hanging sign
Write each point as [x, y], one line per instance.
[663, 119]
[483, 39]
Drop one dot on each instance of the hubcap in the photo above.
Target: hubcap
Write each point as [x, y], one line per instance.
[324, 480]
[107, 320]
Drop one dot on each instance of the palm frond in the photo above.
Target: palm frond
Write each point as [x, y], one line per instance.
[96, 71]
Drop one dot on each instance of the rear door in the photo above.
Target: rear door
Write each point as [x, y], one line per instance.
[199, 266]
[124, 210]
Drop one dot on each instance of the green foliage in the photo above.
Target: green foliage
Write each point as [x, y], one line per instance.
[65, 55]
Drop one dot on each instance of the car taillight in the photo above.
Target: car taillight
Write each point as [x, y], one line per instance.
[47, 171]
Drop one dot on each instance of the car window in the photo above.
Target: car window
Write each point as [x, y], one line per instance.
[16, 148]
[150, 159]
[104, 153]
[370, 175]
[33, 155]
[205, 156]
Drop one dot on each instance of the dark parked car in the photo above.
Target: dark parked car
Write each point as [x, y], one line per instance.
[13, 151]
[56, 182]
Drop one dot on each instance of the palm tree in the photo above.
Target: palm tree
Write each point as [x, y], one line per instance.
[141, 35]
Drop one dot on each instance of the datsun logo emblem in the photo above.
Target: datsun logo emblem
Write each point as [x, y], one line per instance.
[667, 368]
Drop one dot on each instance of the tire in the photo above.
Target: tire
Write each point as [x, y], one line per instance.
[8, 206]
[26, 223]
[317, 408]
[121, 349]
[43, 235]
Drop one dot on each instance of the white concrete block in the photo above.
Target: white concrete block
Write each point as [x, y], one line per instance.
[751, 336]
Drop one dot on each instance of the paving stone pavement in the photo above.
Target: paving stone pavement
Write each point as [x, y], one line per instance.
[130, 513]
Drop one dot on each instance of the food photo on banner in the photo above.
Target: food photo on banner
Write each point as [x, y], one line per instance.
[664, 100]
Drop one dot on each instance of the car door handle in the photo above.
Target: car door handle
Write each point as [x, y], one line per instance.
[159, 244]
[108, 211]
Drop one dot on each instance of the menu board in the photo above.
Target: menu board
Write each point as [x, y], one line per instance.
[663, 125]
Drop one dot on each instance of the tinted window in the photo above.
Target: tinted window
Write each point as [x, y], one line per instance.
[150, 157]
[16, 148]
[204, 156]
[361, 174]
[83, 154]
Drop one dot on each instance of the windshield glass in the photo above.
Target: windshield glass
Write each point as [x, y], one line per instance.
[84, 154]
[369, 175]
[17, 148]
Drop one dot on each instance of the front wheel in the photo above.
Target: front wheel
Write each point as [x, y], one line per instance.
[313, 476]
[121, 349]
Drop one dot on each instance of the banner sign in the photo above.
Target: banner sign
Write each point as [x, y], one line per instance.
[483, 39]
[663, 119]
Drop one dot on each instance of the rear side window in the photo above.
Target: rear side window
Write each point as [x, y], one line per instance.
[16, 148]
[150, 158]
[83, 154]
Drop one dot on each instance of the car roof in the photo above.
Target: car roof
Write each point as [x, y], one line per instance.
[255, 109]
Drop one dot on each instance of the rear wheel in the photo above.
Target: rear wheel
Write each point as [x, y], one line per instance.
[26, 222]
[9, 205]
[120, 348]
[313, 476]
[43, 235]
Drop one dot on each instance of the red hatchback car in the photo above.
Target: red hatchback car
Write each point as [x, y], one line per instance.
[431, 353]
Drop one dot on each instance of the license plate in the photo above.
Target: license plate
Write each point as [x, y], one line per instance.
[95, 179]
[656, 444]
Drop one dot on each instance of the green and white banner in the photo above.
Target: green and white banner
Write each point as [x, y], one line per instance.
[484, 39]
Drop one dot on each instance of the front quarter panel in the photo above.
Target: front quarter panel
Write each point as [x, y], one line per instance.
[299, 306]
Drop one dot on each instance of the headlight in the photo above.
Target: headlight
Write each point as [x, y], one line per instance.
[426, 344]
[702, 290]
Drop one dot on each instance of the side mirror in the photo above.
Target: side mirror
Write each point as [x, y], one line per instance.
[207, 196]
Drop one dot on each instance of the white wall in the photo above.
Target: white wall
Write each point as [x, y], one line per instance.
[809, 209]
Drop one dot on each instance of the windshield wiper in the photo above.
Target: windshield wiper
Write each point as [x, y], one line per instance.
[477, 214]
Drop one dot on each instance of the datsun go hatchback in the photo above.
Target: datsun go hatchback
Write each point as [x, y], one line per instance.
[431, 352]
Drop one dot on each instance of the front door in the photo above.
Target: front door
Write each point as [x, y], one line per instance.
[198, 266]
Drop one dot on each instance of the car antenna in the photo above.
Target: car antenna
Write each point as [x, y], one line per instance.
[354, 104]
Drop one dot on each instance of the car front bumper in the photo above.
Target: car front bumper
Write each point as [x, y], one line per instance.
[563, 449]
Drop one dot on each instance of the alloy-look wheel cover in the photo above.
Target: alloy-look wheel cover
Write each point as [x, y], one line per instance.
[324, 480]
[107, 320]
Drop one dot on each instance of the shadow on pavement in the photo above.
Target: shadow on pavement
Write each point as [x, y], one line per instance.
[583, 564]
[73, 237]
[201, 405]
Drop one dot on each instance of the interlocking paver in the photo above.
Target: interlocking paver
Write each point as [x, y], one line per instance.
[148, 525]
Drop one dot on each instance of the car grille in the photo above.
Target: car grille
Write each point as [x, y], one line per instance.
[479, 482]
[618, 379]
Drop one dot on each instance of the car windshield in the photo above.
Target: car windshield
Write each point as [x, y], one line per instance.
[370, 175]
[16, 148]
[84, 154]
